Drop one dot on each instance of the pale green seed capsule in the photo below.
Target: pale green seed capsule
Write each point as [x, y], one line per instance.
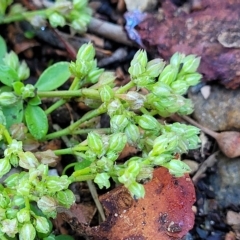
[4, 200]
[5, 166]
[86, 52]
[41, 224]
[133, 134]
[23, 215]
[79, 4]
[94, 74]
[115, 107]
[66, 198]
[55, 19]
[140, 57]
[48, 205]
[192, 79]
[117, 142]
[177, 167]
[56, 184]
[2, 213]
[179, 87]
[118, 123]
[106, 93]
[27, 160]
[8, 99]
[161, 89]
[95, 143]
[10, 227]
[136, 70]
[136, 189]
[168, 75]
[155, 67]
[102, 180]
[148, 122]
[176, 59]
[27, 232]
[190, 64]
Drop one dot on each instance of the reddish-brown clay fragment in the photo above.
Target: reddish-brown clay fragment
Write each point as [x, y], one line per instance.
[211, 32]
[164, 213]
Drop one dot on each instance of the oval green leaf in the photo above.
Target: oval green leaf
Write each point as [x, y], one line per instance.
[8, 75]
[37, 121]
[53, 77]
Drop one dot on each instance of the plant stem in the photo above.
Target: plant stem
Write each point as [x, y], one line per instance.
[85, 92]
[85, 131]
[126, 87]
[69, 130]
[73, 150]
[56, 105]
[22, 16]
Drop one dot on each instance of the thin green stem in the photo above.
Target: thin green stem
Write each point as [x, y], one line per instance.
[27, 204]
[69, 130]
[67, 167]
[25, 15]
[73, 150]
[85, 92]
[86, 131]
[56, 105]
[75, 84]
[6, 134]
[126, 87]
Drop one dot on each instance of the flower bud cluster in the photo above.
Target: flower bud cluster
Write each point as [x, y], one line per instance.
[20, 190]
[167, 83]
[85, 67]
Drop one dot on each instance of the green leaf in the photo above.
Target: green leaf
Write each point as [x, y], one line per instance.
[53, 77]
[35, 101]
[37, 121]
[3, 49]
[81, 165]
[13, 114]
[8, 75]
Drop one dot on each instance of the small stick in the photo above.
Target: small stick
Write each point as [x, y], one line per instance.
[110, 31]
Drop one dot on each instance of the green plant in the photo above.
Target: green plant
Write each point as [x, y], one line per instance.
[74, 13]
[133, 120]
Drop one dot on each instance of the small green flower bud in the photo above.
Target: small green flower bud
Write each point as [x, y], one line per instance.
[11, 213]
[23, 215]
[94, 74]
[161, 89]
[187, 108]
[79, 4]
[27, 232]
[179, 87]
[86, 52]
[146, 173]
[136, 70]
[133, 134]
[143, 80]
[55, 19]
[82, 67]
[155, 67]
[28, 91]
[102, 180]
[168, 75]
[27, 160]
[192, 79]
[8, 99]
[79, 25]
[117, 143]
[18, 201]
[10, 227]
[140, 57]
[95, 143]
[118, 123]
[66, 198]
[191, 131]
[133, 168]
[23, 71]
[2, 214]
[106, 78]
[115, 108]
[56, 184]
[11, 60]
[48, 205]
[4, 200]
[24, 188]
[106, 93]
[190, 64]
[148, 122]
[177, 167]
[136, 189]
[42, 224]
[176, 59]
[160, 159]
[5, 166]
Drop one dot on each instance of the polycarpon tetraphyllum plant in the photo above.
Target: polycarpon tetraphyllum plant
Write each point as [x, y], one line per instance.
[29, 197]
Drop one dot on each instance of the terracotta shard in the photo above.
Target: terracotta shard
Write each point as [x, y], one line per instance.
[212, 32]
[164, 213]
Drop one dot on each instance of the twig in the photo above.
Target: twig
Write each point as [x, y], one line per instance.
[209, 162]
[110, 31]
